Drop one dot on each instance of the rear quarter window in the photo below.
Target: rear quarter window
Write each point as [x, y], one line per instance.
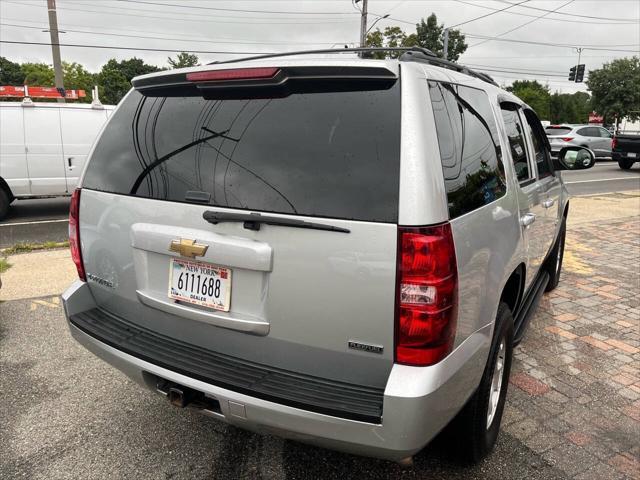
[326, 154]
[557, 130]
[469, 147]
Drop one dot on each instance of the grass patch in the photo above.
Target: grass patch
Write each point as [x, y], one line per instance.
[4, 265]
[30, 247]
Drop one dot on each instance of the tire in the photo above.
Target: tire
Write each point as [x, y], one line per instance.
[474, 430]
[554, 262]
[625, 164]
[4, 204]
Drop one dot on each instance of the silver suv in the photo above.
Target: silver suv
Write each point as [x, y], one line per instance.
[341, 251]
[597, 139]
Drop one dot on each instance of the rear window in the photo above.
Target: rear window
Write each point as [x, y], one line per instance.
[557, 130]
[325, 154]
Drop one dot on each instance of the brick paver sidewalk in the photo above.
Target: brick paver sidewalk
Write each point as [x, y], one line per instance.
[575, 386]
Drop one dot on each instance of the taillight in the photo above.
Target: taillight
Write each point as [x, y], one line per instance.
[74, 233]
[567, 139]
[614, 142]
[259, 73]
[427, 295]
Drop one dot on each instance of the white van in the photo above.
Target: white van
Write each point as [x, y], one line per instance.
[43, 147]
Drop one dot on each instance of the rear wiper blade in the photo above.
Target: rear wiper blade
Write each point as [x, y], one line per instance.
[252, 221]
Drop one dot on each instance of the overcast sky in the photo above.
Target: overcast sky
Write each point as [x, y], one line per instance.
[606, 29]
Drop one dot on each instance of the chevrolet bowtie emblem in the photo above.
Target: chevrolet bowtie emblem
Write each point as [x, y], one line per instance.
[188, 248]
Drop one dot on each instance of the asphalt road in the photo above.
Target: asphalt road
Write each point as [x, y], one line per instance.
[68, 415]
[44, 220]
[604, 177]
[36, 221]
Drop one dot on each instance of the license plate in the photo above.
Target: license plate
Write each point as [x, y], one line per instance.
[631, 154]
[200, 283]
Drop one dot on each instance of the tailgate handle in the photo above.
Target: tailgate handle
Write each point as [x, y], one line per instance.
[252, 221]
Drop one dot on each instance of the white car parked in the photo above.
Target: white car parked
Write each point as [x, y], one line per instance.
[43, 147]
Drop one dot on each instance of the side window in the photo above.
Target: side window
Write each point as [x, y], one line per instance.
[469, 147]
[541, 153]
[604, 133]
[515, 132]
[588, 132]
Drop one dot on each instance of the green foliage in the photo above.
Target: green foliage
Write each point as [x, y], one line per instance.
[569, 108]
[77, 77]
[38, 74]
[431, 35]
[428, 35]
[10, 72]
[4, 265]
[616, 88]
[115, 77]
[183, 59]
[533, 94]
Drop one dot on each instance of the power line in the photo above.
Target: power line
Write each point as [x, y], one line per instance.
[198, 17]
[560, 45]
[488, 14]
[201, 40]
[566, 14]
[511, 12]
[524, 24]
[235, 9]
[77, 45]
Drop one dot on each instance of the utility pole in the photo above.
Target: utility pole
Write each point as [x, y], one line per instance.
[55, 47]
[363, 23]
[445, 47]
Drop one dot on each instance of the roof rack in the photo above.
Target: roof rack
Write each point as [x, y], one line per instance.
[410, 54]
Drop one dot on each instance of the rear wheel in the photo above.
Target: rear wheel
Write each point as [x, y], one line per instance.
[554, 262]
[625, 164]
[476, 427]
[4, 203]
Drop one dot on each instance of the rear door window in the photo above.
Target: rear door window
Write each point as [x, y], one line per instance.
[326, 154]
[469, 147]
[588, 132]
[517, 142]
[540, 150]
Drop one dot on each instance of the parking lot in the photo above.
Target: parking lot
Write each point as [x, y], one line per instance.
[573, 407]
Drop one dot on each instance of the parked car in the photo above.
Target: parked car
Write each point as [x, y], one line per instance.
[626, 148]
[43, 147]
[341, 251]
[597, 139]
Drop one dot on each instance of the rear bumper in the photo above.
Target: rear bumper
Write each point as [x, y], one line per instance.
[417, 403]
[625, 156]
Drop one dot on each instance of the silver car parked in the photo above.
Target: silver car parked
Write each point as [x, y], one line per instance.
[597, 139]
[340, 251]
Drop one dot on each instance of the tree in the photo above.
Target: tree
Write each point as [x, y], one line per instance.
[77, 77]
[10, 72]
[183, 59]
[115, 77]
[533, 94]
[38, 74]
[428, 35]
[431, 35]
[615, 89]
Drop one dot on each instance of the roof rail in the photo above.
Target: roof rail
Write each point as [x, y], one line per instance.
[419, 56]
[425, 51]
[410, 54]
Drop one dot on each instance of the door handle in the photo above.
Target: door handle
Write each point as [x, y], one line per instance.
[69, 163]
[549, 203]
[527, 219]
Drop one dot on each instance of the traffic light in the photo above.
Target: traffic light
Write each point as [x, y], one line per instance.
[576, 74]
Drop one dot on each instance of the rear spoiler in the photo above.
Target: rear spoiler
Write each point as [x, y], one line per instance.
[264, 81]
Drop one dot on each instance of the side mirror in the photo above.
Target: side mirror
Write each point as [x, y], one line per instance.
[574, 158]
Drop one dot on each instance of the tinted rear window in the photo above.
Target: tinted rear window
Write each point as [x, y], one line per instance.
[557, 130]
[327, 154]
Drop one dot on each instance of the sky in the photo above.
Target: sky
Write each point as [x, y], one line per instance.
[604, 29]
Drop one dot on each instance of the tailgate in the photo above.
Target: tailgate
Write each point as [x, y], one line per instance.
[315, 300]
